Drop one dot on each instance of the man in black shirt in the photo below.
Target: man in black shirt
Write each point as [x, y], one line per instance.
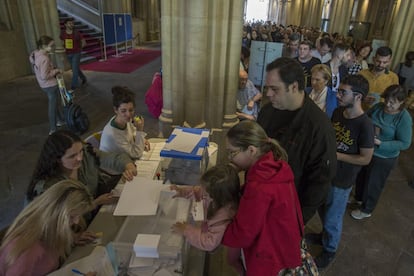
[355, 146]
[302, 129]
[307, 61]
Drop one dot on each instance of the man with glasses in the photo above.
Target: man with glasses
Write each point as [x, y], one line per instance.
[303, 129]
[354, 149]
[379, 77]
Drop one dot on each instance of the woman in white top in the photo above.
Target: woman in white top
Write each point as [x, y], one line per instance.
[123, 132]
[320, 92]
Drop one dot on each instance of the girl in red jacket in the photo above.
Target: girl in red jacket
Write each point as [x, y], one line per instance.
[268, 220]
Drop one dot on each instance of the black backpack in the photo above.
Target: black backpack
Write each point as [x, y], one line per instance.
[76, 120]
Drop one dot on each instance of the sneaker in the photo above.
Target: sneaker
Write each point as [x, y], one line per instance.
[313, 238]
[60, 123]
[353, 201]
[358, 214]
[323, 260]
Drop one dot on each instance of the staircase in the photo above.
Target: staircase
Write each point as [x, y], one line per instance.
[94, 49]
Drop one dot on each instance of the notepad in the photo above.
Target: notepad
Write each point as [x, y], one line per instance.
[146, 245]
[139, 197]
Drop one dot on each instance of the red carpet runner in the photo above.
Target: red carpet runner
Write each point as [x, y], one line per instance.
[126, 63]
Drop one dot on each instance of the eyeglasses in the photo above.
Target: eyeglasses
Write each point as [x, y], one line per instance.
[232, 153]
[343, 92]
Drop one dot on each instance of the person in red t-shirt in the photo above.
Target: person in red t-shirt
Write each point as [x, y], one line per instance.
[73, 41]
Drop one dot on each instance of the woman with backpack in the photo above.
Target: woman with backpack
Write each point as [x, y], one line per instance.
[46, 77]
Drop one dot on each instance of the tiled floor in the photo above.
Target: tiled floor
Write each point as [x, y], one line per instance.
[380, 245]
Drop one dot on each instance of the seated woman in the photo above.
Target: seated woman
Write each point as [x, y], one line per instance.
[320, 92]
[123, 133]
[65, 156]
[40, 238]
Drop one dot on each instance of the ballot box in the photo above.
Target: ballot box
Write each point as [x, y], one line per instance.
[185, 155]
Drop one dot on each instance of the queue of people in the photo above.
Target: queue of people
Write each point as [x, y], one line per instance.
[302, 153]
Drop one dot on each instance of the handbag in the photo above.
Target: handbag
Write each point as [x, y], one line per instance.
[308, 267]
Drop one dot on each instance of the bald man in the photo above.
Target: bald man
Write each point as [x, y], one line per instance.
[248, 98]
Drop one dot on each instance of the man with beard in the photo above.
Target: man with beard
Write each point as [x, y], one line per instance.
[341, 55]
[303, 129]
[379, 77]
[354, 149]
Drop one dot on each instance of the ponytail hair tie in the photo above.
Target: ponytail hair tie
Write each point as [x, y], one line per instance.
[269, 140]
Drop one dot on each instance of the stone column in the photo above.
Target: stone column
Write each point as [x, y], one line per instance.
[293, 11]
[402, 37]
[28, 23]
[153, 20]
[312, 13]
[340, 15]
[50, 8]
[201, 42]
[272, 14]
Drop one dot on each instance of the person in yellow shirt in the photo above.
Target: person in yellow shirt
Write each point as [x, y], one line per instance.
[379, 77]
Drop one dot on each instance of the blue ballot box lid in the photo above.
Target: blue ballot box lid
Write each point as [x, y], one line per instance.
[187, 137]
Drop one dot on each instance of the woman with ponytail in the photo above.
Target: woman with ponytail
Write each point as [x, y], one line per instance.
[268, 223]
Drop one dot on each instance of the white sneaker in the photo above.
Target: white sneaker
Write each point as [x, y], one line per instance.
[60, 123]
[358, 214]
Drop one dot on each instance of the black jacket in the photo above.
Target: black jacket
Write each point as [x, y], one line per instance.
[310, 143]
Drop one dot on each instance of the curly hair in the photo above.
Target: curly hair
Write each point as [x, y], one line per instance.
[48, 164]
[122, 94]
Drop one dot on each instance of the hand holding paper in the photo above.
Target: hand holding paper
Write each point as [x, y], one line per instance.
[179, 227]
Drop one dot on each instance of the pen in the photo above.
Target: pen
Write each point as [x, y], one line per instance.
[77, 272]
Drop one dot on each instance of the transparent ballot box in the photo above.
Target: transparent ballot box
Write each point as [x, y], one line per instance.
[173, 253]
[185, 155]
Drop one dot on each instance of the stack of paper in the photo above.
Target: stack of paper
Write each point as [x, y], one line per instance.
[146, 245]
[154, 153]
[139, 197]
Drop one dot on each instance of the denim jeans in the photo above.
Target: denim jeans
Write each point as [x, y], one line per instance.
[74, 60]
[371, 181]
[54, 106]
[332, 217]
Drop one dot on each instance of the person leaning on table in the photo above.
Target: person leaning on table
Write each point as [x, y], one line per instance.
[65, 156]
[40, 238]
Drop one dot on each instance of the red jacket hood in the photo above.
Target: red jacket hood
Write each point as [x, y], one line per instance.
[266, 169]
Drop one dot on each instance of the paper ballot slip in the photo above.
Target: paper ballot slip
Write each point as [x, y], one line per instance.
[186, 143]
[139, 197]
[146, 245]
